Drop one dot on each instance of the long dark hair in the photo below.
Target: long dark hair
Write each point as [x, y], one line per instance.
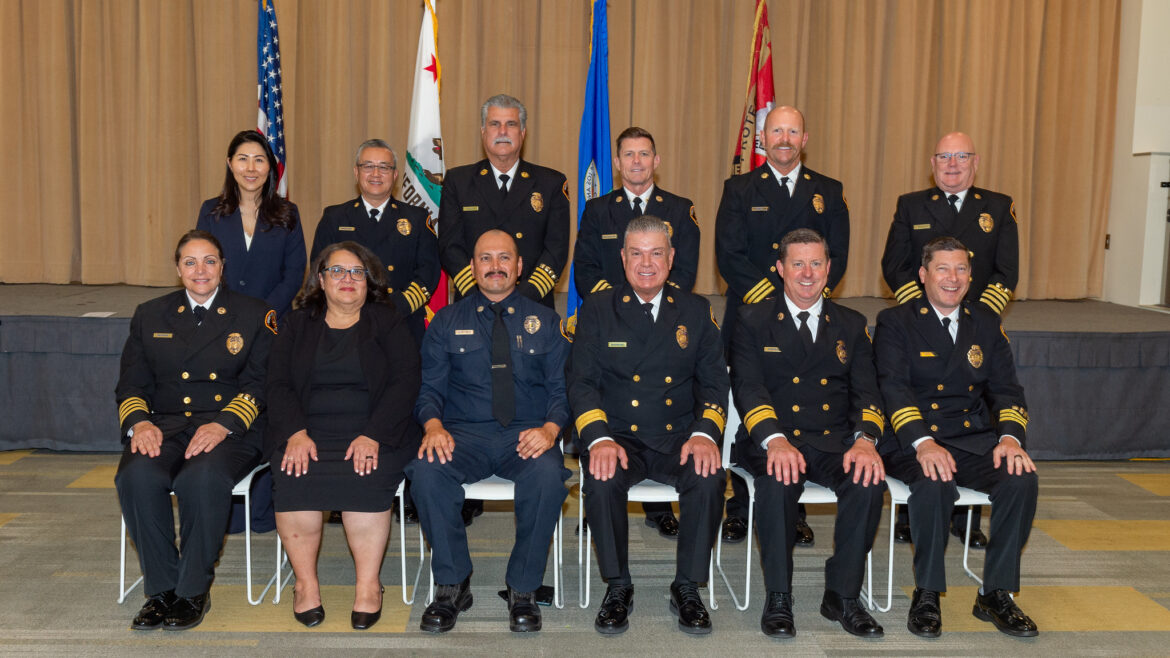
[274, 210]
[312, 296]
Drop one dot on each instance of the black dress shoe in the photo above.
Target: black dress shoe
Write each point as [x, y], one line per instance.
[688, 605]
[523, 613]
[187, 612]
[925, 619]
[999, 608]
[334, 517]
[902, 533]
[363, 620]
[310, 617]
[777, 618]
[978, 539]
[804, 534]
[666, 523]
[450, 600]
[853, 617]
[613, 617]
[154, 611]
[411, 514]
[471, 509]
[734, 530]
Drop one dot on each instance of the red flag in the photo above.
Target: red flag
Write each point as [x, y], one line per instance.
[761, 95]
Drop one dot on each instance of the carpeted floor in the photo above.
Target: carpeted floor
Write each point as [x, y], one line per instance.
[1096, 580]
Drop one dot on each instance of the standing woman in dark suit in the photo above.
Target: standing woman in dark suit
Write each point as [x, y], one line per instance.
[343, 379]
[264, 244]
[189, 400]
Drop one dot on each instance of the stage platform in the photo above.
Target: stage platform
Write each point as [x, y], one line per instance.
[1097, 375]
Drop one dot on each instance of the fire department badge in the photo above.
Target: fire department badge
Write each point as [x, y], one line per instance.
[669, 229]
[537, 201]
[532, 324]
[680, 335]
[818, 203]
[842, 355]
[235, 343]
[975, 356]
[985, 222]
[404, 226]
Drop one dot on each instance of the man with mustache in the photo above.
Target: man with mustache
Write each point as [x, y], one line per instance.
[492, 402]
[985, 221]
[757, 210]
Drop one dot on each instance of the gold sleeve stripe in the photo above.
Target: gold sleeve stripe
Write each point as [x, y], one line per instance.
[129, 406]
[759, 291]
[590, 417]
[760, 413]
[411, 299]
[542, 280]
[715, 417]
[875, 417]
[903, 416]
[464, 280]
[1013, 416]
[243, 406]
[908, 291]
[601, 285]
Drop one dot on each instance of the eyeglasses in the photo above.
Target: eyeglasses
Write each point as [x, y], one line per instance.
[380, 167]
[338, 273]
[958, 156]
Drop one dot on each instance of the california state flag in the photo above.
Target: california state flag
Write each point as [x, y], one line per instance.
[422, 181]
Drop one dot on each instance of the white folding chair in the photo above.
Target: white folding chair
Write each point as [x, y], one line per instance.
[400, 494]
[646, 491]
[900, 495]
[813, 494]
[497, 488]
[242, 488]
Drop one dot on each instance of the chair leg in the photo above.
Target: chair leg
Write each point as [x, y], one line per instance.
[122, 589]
[281, 562]
[890, 573]
[747, 587]
[558, 574]
[583, 539]
[967, 547]
[402, 550]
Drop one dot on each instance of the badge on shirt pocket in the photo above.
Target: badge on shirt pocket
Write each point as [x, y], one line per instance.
[235, 342]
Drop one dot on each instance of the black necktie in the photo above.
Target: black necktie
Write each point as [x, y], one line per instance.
[504, 185]
[947, 327]
[954, 201]
[199, 312]
[648, 307]
[804, 331]
[784, 189]
[374, 215]
[637, 206]
[503, 389]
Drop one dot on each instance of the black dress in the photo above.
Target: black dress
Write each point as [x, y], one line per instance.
[337, 413]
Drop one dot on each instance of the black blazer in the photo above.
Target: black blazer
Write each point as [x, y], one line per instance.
[390, 363]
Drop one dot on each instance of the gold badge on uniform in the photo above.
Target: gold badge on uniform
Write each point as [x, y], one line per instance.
[985, 222]
[780, 316]
[658, 198]
[482, 172]
[807, 177]
[404, 226]
[537, 201]
[818, 203]
[524, 174]
[975, 356]
[842, 355]
[235, 342]
[532, 324]
[221, 310]
[680, 335]
[669, 229]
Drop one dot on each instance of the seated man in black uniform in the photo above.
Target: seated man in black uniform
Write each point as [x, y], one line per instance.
[957, 410]
[492, 402]
[647, 383]
[804, 381]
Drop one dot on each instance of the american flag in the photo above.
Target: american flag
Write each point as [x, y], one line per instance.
[268, 87]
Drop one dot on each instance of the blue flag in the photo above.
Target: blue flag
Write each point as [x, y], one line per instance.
[594, 157]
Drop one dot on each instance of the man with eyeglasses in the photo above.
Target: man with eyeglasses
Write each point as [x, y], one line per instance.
[985, 221]
[401, 235]
[503, 191]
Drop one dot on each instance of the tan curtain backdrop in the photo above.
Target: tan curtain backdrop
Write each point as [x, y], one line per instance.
[115, 114]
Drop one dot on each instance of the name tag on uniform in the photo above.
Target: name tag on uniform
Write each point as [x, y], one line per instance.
[759, 208]
[161, 335]
[609, 236]
[465, 332]
[919, 227]
[771, 348]
[345, 228]
[470, 208]
[621, 344]
[926, 354]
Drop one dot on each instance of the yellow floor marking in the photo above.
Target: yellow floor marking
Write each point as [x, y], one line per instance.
[1155, 483]
[230, 612]
[9, 456]
[6, 517]
[98, 477]
[1108, 535]
[1062, 609]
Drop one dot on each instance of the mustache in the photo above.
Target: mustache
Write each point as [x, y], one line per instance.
[502, 140]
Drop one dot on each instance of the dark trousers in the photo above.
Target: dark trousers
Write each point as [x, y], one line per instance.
[1013, 506]
[481, 450]
[700, 506]
[859, 510]
[958, 517]
[203, 486]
